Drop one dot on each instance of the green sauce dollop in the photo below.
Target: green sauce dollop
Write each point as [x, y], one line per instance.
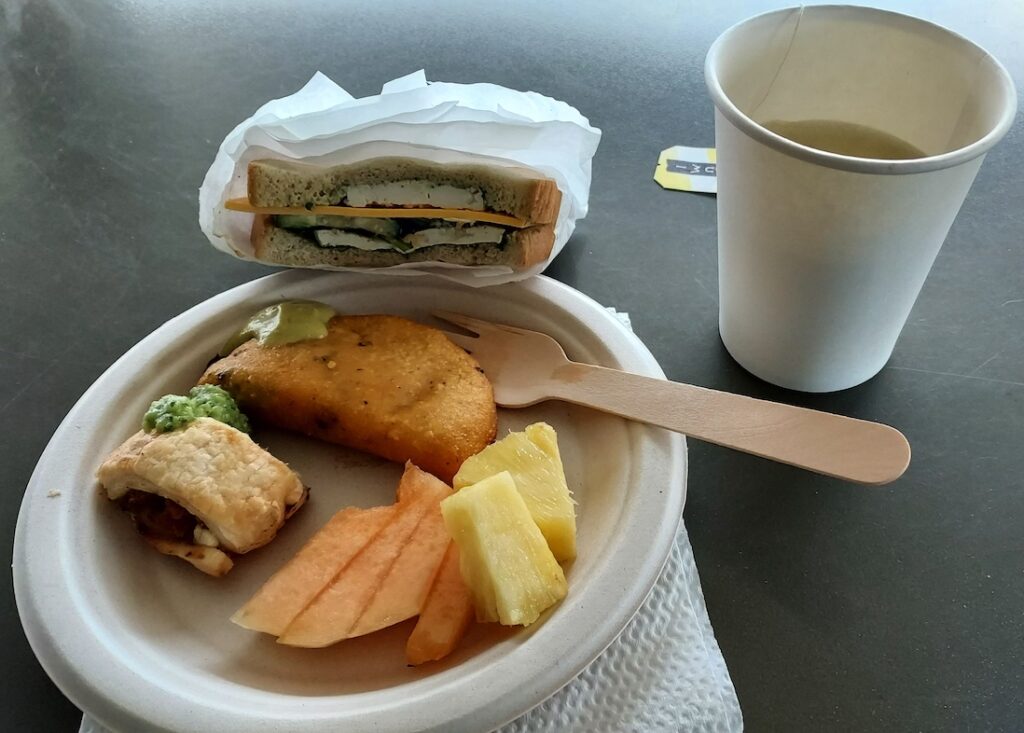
[283, 323]
[173, 411]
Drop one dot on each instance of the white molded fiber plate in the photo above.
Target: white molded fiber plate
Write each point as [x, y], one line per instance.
[143, 642]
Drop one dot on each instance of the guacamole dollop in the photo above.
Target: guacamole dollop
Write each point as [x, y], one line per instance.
[172, 411]
[283, 323]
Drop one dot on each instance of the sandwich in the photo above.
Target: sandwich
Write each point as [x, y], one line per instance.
[198, 488]
[387, 211]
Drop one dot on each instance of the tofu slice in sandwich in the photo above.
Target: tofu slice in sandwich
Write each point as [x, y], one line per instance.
[202, 492]
[387, 211]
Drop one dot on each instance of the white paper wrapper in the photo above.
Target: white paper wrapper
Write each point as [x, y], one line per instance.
[441, 122]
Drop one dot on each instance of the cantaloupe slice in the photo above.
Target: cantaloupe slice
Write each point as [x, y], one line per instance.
[404, 590]
[329, 618]
[446, 614]
[325, 555]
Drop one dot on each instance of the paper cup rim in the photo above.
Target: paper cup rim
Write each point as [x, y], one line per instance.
[786, 146]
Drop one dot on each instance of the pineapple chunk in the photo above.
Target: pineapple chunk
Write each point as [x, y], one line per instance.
[504, 559]
[533, 460]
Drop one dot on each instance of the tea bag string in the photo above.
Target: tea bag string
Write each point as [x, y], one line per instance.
[778, 71]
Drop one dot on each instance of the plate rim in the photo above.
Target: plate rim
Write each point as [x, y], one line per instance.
[88, 694]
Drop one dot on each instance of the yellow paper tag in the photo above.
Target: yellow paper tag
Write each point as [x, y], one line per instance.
[687, 169]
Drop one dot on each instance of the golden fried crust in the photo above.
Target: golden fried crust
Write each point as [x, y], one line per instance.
[381, 384]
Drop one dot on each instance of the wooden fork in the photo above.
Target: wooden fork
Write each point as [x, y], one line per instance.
[527, 367]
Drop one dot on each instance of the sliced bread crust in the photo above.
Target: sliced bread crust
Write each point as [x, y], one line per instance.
[511, 191]
[523, 248]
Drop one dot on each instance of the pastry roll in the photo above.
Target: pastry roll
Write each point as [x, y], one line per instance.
[202, 492]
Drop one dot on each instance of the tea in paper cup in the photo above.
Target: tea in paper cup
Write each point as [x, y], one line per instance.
[847, 138]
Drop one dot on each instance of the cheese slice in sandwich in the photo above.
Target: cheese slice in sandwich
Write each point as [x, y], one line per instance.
[387, 211]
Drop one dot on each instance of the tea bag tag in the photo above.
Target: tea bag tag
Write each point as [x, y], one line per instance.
[687, 169]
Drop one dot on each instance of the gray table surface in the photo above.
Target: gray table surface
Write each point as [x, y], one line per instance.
[837, 608]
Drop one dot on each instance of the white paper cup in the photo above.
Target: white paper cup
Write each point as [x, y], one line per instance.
[821, 256]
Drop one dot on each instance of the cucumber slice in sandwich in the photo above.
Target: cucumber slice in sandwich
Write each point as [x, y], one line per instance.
[380, 227]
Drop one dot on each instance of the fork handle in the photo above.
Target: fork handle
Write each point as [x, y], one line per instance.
[843, 447]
